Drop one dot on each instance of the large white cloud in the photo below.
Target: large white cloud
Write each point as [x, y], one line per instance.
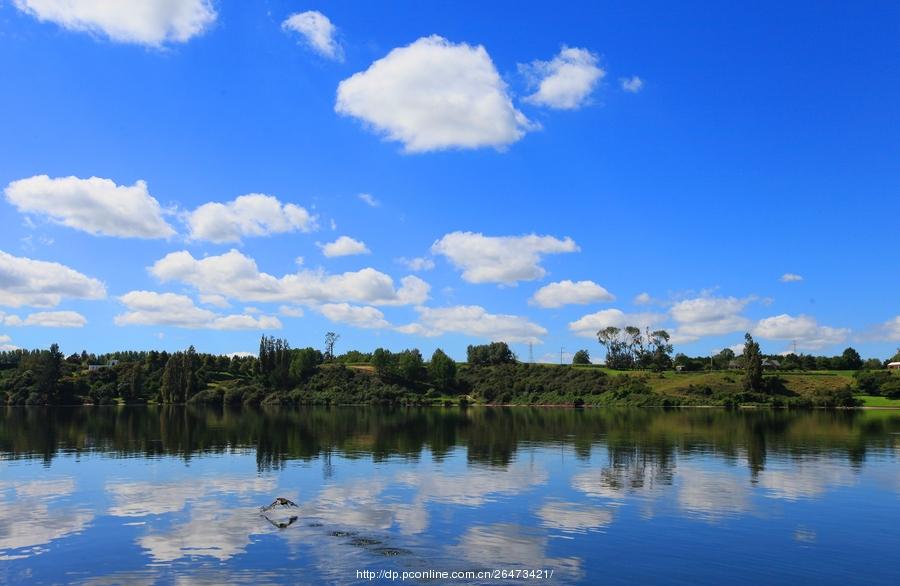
[571, 293]
[24, 281]
[170, 309]
[566, 81]
[361, 317]
[95, 205]
[500, 259]
[47, 319]
[434, 94]
[889, 330]
[318, 31]
[254, 214]
[344, 246]
[709, 316]
[590, 324]
[147, 22]
[473, 320]
[802, 329]
[237, 276]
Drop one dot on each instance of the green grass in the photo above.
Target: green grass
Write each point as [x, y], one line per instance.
[873, 401]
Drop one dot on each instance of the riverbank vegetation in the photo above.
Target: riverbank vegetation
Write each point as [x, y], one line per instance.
[281, 375]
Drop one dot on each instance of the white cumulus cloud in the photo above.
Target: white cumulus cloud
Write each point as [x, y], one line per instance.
[290, 311]
[590, 324]
[344, 246]
[318, 31]
[5, 345]
[473, 320]
[432, 95]
[643, 299]
[148, 308]
[147, 22]
[418, 263]
[254, 214]
[97, 206]
[571, 293]
[55, 319]
[632, 84]
[500, 259]
[709, 316]
[803, 329]
[355, 315]
[889, 330]
[566, 81]
[24, 281]
[236, 276]
[790, 278]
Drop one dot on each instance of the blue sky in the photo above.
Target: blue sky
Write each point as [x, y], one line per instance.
[691, 153]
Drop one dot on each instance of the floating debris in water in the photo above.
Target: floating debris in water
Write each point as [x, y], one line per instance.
[391, 551]
[366, 541]
[343, 533]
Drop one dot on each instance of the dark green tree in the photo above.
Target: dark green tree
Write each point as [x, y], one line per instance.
[49, 372]
[659, 350]
[488, 354]
[581, 357]
[410, 364]
[442, 370]
[383, 361]
[305, 363]
[753, 370]
[136, 384]
[170, 388]
[851, 359]
[722, 360]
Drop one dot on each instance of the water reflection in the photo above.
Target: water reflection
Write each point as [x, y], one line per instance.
[521, 547]
[174, 495]
[34, 513]
[574, 517]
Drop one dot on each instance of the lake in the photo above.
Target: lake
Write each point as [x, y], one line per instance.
[146, 495]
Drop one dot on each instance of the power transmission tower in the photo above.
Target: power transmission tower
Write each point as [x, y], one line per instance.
[531, 352]
[562, 349]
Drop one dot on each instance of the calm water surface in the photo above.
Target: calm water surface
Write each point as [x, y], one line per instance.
[171, 495]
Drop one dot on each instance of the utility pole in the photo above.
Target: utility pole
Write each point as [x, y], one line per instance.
[531, 352]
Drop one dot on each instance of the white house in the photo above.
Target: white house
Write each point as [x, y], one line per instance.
[111, 363]
[894, 365]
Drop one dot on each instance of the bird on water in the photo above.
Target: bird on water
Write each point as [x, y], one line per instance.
[280, 502]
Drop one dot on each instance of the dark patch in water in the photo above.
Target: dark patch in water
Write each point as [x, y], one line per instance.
[390, 552]
[366, 541]
[343, 533]
[314, 525]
